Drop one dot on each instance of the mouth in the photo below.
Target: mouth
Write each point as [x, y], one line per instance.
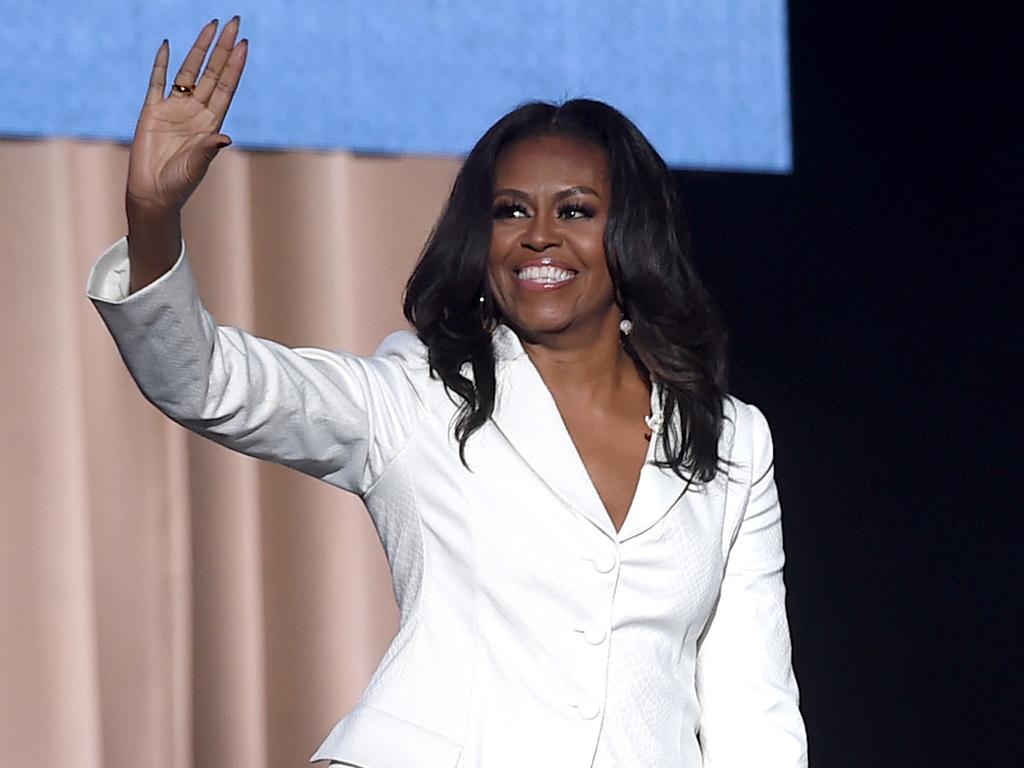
[544, 276]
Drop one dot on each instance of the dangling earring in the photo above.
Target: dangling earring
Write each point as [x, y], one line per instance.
[626, 326]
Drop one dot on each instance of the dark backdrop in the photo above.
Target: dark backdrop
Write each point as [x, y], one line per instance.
[869, 299]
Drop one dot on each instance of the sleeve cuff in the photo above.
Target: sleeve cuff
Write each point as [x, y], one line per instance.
[109, 279]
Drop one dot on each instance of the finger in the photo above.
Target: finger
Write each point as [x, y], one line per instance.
[189, 70]
[199, 160]
[224, 90]
[218, 59]
[158, 77]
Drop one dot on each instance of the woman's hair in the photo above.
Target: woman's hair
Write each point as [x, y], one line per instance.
[677, 338]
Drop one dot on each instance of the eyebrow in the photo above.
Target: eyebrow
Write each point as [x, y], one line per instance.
[520, 195]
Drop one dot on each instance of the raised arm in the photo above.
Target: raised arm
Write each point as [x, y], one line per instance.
[332, 415]
[176, 139]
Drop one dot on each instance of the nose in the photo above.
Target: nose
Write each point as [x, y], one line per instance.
[541, 234]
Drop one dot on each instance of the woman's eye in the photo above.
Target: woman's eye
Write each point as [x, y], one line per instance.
[509, 211]
[576, 211]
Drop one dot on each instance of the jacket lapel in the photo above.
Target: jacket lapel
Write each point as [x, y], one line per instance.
[526, 414]
[656, 492]
[659, 490]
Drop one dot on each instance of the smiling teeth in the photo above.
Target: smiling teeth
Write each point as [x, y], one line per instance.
[545, 274]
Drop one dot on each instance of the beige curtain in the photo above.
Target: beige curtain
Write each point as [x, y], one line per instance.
[164, 602]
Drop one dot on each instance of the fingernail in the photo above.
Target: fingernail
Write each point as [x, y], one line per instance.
[214, 21]
[236, 17]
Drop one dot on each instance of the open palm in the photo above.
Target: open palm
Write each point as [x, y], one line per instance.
[178, 135]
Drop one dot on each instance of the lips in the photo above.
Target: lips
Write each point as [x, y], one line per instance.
[544, 274]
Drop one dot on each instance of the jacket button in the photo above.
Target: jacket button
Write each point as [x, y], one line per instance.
[604, 562]
[594, 634]
[588, 709]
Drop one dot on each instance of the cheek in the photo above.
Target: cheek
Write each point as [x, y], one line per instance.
[502, 242]
[592, 246]
[497, 248]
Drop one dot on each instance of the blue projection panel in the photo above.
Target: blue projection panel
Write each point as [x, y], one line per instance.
[706, 80]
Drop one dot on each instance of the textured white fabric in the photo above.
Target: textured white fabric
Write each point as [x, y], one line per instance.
[532, 633]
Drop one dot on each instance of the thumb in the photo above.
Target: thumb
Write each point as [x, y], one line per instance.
[213, 144]
[199, 160]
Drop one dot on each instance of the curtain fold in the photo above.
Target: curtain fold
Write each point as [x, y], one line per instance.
[163, 600]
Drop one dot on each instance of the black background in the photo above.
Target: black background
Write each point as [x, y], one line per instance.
[872, 303]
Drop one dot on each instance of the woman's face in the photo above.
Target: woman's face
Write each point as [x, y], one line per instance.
[548, 270]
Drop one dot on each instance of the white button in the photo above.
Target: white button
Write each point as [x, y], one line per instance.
[604, 562]
[594, 634]
[588, 709]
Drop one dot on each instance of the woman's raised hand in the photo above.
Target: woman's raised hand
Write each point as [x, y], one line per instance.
[176, 138]
[178, 135]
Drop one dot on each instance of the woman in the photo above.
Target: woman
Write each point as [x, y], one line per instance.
[583, 529]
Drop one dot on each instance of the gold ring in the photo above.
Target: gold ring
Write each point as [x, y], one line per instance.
[185, 89]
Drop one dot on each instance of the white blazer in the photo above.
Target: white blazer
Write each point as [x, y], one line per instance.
[532, 633]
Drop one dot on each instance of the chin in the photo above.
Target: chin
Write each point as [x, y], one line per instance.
[544, 325]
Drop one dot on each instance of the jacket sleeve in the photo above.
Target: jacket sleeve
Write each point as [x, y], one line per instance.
[332, 415]
[745, 681]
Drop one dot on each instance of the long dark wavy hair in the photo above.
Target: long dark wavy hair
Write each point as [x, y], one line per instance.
[677, 338]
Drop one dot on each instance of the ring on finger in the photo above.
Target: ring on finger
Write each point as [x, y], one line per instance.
[185, 90]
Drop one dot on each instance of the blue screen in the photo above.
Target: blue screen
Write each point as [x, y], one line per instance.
[705, 80]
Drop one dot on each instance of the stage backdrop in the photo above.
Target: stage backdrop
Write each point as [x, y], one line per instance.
[706, 80]
[164, 601]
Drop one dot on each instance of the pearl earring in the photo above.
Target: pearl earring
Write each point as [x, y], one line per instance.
[655, 422]
[626, 326]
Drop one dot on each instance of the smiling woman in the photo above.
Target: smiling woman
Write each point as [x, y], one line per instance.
[549, 276]
[582, 526]
[575, 190]
[548, 270]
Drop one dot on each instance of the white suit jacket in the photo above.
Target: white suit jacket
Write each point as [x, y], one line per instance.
[532, 633]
